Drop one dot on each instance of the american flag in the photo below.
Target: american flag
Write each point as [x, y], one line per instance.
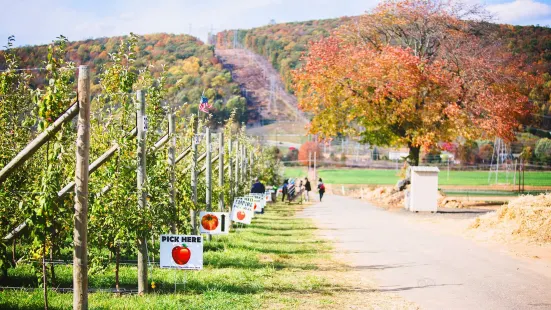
[204, 106]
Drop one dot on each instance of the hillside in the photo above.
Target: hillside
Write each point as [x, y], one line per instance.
[190, 66]
[283, 45]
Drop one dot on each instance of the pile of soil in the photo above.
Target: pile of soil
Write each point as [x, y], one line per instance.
[527, 217]
[389, 197]
[448, 202]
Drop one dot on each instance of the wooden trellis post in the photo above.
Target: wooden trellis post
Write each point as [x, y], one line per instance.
[80, 219]
[208, 178]
[230, 166]
[194, 177]
[251, 162]
[237, 165]
[142, 193]
[221, 170]
[172, 165]
[208, 164]
[243, 161]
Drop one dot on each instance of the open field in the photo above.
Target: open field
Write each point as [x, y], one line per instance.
[390, 177]
[278, 262]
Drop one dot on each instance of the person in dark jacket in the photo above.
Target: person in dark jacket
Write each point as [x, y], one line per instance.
[284, 189]
[307, 189]
[258, 187]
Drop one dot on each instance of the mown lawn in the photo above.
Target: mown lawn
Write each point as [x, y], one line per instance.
[275, 263]
[390, 177]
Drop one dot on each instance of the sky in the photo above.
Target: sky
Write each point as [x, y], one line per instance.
[41, 21]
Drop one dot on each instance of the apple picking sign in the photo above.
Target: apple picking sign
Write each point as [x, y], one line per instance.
[242, 211]
[214, 223]
[259, 202]
[181, 252]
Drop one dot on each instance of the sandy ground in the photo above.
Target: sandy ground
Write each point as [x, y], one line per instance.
[433, 260]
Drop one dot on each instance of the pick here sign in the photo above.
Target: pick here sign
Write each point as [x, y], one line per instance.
[181, 252]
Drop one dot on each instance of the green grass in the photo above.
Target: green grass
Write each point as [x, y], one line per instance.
[274, 261]
[390, 177]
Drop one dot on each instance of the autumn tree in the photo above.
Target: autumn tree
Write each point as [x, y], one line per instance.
[413, 73]
[308, 148]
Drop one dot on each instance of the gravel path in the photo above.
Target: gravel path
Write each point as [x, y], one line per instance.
[436, 271]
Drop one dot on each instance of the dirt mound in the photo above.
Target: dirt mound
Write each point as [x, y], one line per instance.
[527, 217]
[389, 197]
[448, 202]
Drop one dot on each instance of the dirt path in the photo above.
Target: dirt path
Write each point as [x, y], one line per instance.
[434, 270]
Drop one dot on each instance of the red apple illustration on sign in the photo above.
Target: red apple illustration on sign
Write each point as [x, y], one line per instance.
[181, 254]
[240, 215]
[209, 222]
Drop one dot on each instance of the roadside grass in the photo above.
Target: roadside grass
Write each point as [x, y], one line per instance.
[278, 262]
[390, 177]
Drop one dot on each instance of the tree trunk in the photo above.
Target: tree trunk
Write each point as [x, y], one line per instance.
[52, 266]
[14, 258]
[413, 156]
[118, 260]
[44, 276]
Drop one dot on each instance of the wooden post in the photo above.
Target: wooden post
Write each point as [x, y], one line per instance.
[80, 219]
[251, 161]
[142, 194]
[208, 163]
[237, 165]
[194, 177]
[172, 165]
[221, 170]
[208, 177]
[243, 162]
[230, 165]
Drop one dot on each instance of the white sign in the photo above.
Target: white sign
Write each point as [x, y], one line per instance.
[268, 196]
[259, 202]
[145, 123]
[242, 211]
[181, 252]
[214, 223]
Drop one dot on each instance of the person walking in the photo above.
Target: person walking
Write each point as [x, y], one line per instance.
[284, 190]
[307, 189]
[301, 190]
[321, 188]
[258, 187]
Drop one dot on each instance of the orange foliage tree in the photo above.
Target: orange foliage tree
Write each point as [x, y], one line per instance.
[307, 148]
[413, 73]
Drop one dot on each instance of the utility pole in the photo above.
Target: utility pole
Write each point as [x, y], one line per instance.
[221, 169]
[80, 219]
[172, 165]
[142, 194]
[315, 170]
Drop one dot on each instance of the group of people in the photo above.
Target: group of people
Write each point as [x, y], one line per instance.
[304, 187]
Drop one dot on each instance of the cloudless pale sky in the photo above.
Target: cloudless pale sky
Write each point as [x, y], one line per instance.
[40, 21]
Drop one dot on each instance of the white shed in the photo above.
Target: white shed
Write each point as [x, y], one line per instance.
[423, 194]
